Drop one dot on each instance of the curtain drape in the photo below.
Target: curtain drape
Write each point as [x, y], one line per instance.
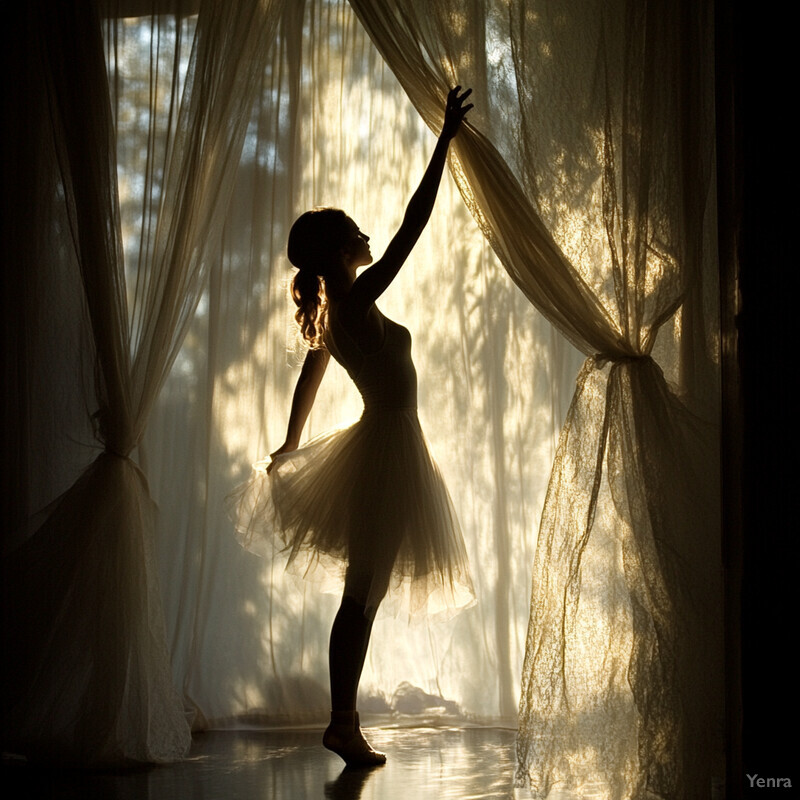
[588, 166]
[332, 126]
[91, 674]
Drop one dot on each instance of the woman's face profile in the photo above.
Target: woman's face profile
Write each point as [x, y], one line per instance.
[357, 249]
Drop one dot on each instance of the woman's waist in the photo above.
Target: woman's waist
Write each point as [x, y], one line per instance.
[386, 405]
[383, 395]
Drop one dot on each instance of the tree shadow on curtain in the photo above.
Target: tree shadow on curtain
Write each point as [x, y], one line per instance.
[248, 642]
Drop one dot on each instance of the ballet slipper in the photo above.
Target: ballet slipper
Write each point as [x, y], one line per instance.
[344, 737]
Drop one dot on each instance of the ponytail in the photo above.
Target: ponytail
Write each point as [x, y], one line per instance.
[314, 239]
[312, 308]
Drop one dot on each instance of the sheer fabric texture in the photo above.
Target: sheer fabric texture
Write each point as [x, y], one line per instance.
[365, 503]
[331, 126]
[586, 170]
[91, 680]
[589, 170]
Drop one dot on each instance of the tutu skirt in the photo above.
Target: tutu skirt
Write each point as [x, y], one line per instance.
[366, 503]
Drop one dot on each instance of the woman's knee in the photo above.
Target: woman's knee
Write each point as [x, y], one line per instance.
[366, 589]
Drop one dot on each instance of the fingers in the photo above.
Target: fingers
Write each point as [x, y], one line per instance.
[455, 111]
[455, 103]
[453, 98]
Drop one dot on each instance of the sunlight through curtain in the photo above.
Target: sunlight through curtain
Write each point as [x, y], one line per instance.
[588, 166]
[332, 126]
[155, 320]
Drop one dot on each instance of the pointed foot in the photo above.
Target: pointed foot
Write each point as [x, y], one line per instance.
[348, 742]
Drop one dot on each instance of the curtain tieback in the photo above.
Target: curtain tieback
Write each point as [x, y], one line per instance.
[100, 429]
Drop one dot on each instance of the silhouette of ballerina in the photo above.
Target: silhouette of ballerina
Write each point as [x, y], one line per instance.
[370, 495]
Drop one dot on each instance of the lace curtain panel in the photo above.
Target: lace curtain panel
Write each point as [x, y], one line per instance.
[579, 227]
[591, 177]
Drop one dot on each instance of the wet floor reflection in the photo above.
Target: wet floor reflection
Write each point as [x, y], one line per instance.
[350, 783]
[423, 764]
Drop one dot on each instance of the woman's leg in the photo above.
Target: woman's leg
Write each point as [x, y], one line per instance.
[348, 649]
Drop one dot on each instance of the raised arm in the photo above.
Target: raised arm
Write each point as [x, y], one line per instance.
[371, 284]
[305, 393]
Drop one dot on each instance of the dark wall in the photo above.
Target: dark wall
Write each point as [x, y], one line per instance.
[766, 49]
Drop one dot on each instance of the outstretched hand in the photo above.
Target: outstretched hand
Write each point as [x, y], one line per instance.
[454, 112]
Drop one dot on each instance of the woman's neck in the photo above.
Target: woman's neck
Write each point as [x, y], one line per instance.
[338, 285]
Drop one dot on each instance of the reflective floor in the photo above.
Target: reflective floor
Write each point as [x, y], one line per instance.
[423, 764]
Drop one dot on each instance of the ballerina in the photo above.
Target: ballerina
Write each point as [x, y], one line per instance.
[368, 497]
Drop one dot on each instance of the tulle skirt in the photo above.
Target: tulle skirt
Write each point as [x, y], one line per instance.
[366, 503]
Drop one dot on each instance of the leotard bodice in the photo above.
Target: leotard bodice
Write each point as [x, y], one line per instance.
[386, 378]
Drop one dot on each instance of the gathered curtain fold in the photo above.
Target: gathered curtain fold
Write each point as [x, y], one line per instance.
[91, 679]
[587, 163]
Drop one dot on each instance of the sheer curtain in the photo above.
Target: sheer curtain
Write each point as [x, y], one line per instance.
[91, 677]
[589, 170]
[586, 167]
[331, 125]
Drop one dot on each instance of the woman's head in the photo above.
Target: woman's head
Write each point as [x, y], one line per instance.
[324, 240]
[317, 238]
[323, 243]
